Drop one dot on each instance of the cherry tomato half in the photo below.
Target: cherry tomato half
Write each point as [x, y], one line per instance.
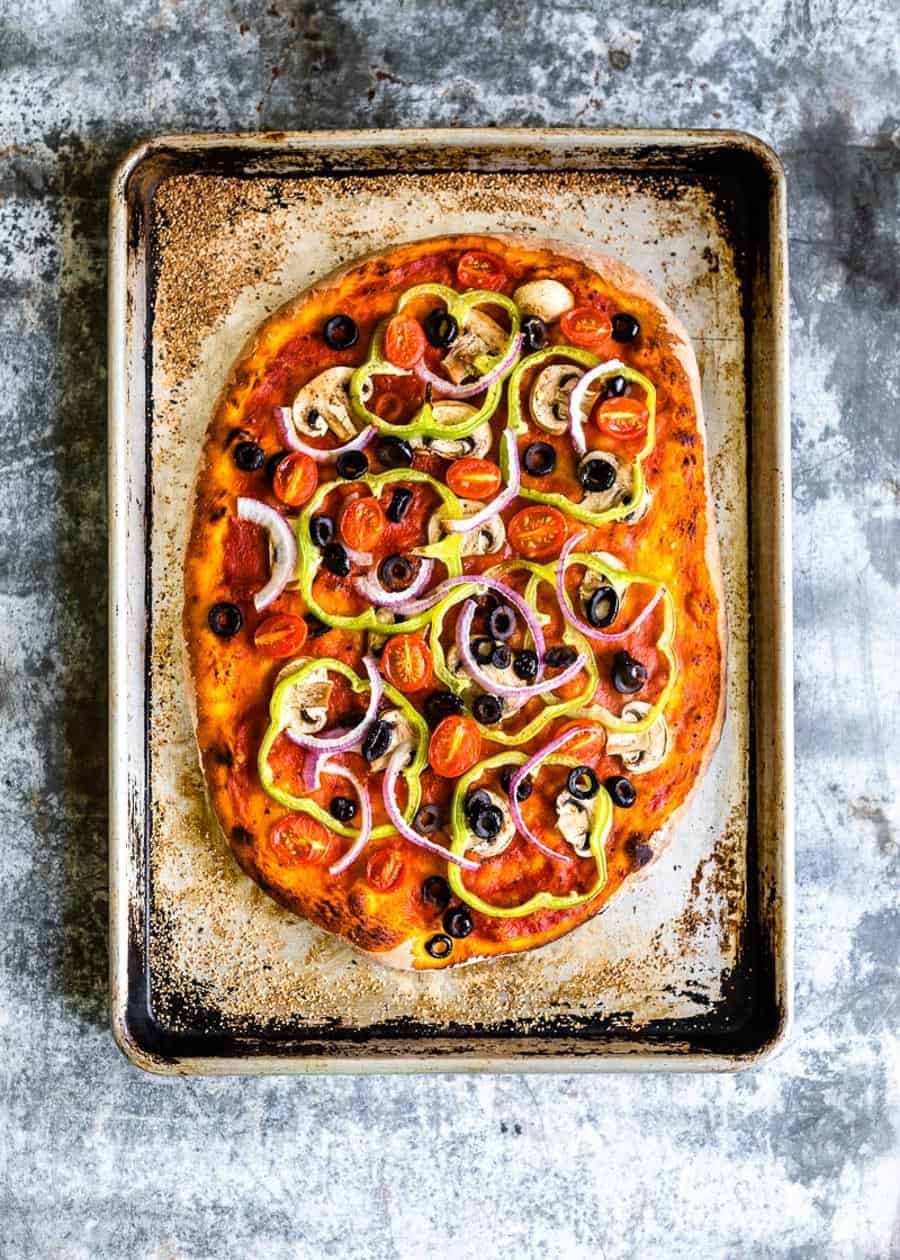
[473, 478]
[282, 634]
[537, 532]
[404, 341]
[362, 523]
[298, 840]
[388, 407]
[621, 417]
[586, 326]
[478, 270]
[384, 869]
[455, 746]
[295, 479]
[407, 662]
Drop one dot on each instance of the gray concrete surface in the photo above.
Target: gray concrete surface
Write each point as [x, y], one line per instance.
[800, 1159]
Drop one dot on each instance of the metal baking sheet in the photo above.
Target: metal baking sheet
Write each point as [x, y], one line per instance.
[690, 966]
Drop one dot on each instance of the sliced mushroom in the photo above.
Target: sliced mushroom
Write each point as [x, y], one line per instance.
[324, 403]
[385, 618]
[548, 299]
[402, 737]
[595, 578]
[482, 541]
[549, 397]
[645, 750]
[575, 818]
[479, 335]
[306, 704]
[504, 837]
[448, 412]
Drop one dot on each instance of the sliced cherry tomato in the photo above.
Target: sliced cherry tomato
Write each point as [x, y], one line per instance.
[298, 840]
[455, 746]
[362, 523]
[404, 341]
[478, 270]
[586, 326]
[474, 478]
[407, 662]
[295, 479]
[537, 532]
[388, 407]
[282, 634]
[384, 869]
[621, 417]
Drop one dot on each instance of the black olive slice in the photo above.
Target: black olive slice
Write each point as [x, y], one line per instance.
[583, 783]
[427, 819]
[394, 452]
[342, 808]
[615, 387]
[628, 675]
[352, 465]
[501, 657]
[534, 334]
[487, 822]
[458, 921]
[502, 622]
[225, 620]
[395, 572]
[377, 741]
[487, 710]
[539, 459]
[441, 328]
[399, 504]
[322, 530]
[476, 800]
[439, 946]
[436, 892]
[603, 607]
[597, 474]
[335, 559]
[249, 456]
[560, 657]
[523, 791]
[441, 704]
[525, 666]
[340, 332]
[625, 327]
[621, 790]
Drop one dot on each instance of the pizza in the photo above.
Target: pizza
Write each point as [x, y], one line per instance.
[453, 615]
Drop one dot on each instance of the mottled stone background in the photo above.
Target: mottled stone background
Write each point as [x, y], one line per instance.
[800, 1159]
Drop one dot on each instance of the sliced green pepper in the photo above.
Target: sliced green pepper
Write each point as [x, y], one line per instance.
[423, 423]
[517, 423]
[310, 555]
[599, 832]
[303, 804]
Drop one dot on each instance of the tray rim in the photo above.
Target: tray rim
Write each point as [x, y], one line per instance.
[604, 1059]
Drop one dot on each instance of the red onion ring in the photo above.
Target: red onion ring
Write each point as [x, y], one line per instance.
[576, 399]
[529, 616]
[369, 586]
[363, 558]
[474, 387]
[503, 499]
[343, 743]
[525, 770]
[288, 434]
[365, 822]
[284, 543]
[583, 626]
[526, 692]
[397, 819]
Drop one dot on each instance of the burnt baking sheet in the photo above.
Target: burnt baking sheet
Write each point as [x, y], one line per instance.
[688, 965]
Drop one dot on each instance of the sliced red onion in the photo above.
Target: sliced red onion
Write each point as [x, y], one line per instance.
[365, 821]
[523, 771]
[523, 691]
[369, 586]
[503, 499]
[284, 545]
[314, 764]
[288, 434]
[578, 622]
[474, 387]
[363, 558]
[529, 616]
[577, 397]
[344, 742]
[397, 819]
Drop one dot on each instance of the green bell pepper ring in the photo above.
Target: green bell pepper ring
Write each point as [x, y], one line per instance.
[516, 422]
[310, 555]
[600, 829]
[302, 804]
[424, 424]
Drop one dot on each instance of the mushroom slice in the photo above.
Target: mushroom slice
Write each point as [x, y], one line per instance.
[479, 335]
[448, 412]
[483, 541]
[385, 617]
[402, 738]
[504, 837]
[548, 299]
[306, 704]
[645, 750]
[575, 818]
[549, 397]
[324, 403]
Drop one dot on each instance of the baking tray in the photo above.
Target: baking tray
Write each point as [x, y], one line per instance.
[689, 968]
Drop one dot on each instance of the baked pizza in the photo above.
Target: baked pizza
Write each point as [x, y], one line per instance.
[453, 613]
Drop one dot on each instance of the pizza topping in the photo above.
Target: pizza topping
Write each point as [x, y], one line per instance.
[609, 482]
[394, 452]
[471, 348]
[547, 299]
[280, 635]
[362, 523]
[384, 869]
[296, 838]
[492, 676]
[550, 394]
[621, 790]
[441, 704]
[441, 328]
[407, 663]
[502, 622]
[628, 674]
[523, 791]
[447, 412]
[340, 332]
[487, 710]
[439, 946]
[615, 387]
[249, 456]
[525, 665]
[294, 479]
[342, 808]
[436, 892]
[322, 529]
[474, 478]
[401, 498]
[225, 620]
[477, 269]
[322, 404]
[404, 341]
[455, 746]
[539, 459]
[644, 750]
[377, 742]
[491, 824]
[304, 710]
[537, 532]
[511, 690]
[534, 334]
[574, 817]
[283, 546]
[590, 382]
[336, 560]
[403, 827]
[401, 741]
[586, 326]
[346, 811]
[351, 465]
[427, 819]
[386, 587]
[625, 327]
[484, 540]
[458, 921]
[624, 418]
[558, 657]
[597, 472]
[602, 601]
[583, 783]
